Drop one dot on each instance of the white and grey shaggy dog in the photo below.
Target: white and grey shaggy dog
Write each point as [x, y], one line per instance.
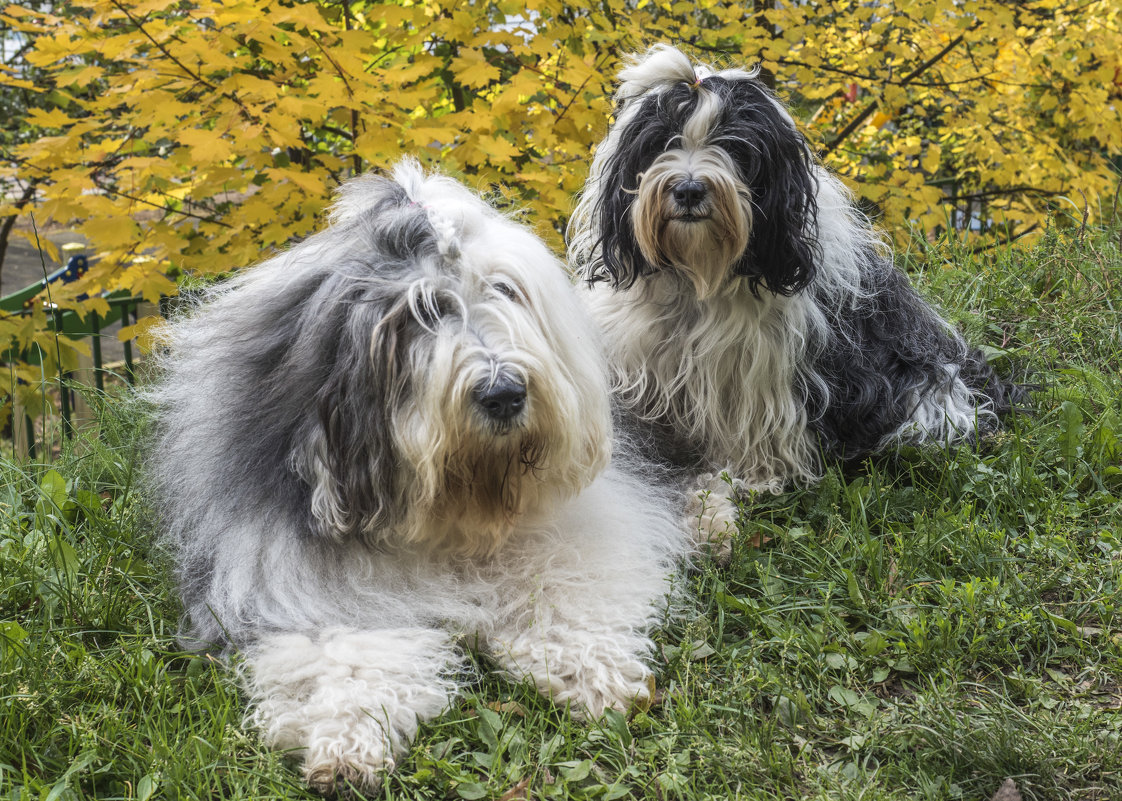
[392, 441]
[753, 315]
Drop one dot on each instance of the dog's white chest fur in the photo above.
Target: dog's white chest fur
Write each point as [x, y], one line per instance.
[720, 371]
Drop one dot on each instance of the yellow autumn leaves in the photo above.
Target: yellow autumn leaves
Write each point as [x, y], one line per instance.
[197, 136]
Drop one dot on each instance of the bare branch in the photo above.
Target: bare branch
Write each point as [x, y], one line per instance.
[859, 120]
[997, 243]
[168, 209]
[1010, 190]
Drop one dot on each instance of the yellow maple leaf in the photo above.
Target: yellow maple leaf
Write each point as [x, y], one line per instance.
[111, 232]
[206, 146]
[471, 69]
[308, 182]
[54, 118]
[41, 243]
[146, 332]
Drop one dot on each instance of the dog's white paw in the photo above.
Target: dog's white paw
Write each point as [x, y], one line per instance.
[712, 514]
[587, 671]
[344, 774]
[343, 752]
[352, 753]
[626, 689]
[347, 702]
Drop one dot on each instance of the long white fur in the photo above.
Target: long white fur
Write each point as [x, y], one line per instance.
[567, 603]
[351, 642]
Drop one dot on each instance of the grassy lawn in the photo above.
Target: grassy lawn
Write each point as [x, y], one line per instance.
[920, 628]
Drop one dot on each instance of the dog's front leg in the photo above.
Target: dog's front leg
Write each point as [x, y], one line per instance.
[590, 668]
[712, 513]
[579, 612]
[348, 702]
[582, 590]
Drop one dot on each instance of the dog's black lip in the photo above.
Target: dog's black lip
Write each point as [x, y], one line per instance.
[690, 217]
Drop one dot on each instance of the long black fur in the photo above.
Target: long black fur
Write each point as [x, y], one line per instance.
[890, 350]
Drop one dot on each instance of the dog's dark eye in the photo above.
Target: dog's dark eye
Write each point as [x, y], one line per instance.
[506, 290]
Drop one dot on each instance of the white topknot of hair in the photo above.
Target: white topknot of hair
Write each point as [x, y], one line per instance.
[661, 64]
[352, 200]
[664, 64]
[411, 175]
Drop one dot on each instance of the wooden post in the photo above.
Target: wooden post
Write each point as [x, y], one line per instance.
[23, 430]
[82, 381]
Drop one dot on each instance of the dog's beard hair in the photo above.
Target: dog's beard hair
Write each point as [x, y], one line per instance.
[705, 250]
[464, 480]
[471, 479]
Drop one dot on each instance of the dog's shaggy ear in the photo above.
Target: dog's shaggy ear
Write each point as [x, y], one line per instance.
[348, 456]
[655, 121]
[778, 169]
[621, 260]
[783, 248]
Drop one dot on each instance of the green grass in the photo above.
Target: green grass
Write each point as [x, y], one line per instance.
[920, 628]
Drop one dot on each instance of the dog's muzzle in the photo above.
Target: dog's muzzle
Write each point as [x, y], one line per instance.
[501, 400]
[689, 195]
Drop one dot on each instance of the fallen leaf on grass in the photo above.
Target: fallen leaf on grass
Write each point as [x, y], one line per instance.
[1007, 792]
[504, 707]
[519, 792]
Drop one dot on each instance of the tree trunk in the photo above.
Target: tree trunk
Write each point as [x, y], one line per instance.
[10, 221]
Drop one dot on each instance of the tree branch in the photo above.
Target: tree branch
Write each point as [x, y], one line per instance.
[874, 79]
[195, 76]
[10, 220]
[579, 89]
[356, 159]
[168, 209]
[1012, 190]
[859, 120]
[997, 243]
[167, 53]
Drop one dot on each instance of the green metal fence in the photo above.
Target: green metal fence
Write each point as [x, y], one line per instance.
[123, 309]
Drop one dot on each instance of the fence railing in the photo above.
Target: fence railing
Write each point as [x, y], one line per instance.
[124, 309]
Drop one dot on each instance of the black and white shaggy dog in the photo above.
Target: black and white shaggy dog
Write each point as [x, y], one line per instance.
[751, 311]
[390, 440]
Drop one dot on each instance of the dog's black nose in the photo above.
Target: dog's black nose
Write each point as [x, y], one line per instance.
[689, 193]
[502, 400]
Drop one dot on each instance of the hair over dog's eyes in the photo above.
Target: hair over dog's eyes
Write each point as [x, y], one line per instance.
[431, 309]
[506, 290]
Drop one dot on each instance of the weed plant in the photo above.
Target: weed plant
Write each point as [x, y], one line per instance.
[922, 626]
